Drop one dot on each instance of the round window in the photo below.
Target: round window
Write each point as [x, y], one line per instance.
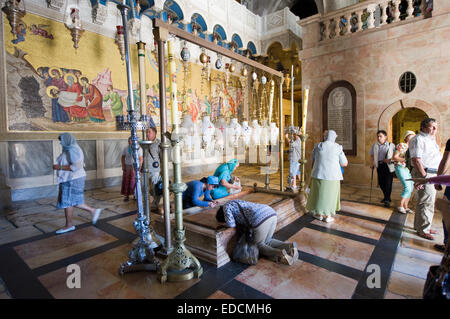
[407, 82]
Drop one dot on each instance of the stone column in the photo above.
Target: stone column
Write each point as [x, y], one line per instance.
[410, 10]
[396, 10]
[371, 18]
[360, 24]
[349, 23]
[383, 18]
[337, 28]
[326, 33]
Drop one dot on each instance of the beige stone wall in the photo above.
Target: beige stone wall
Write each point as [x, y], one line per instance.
[373, 61]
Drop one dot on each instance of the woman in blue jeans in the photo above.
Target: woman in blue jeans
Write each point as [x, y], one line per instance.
[403, 173]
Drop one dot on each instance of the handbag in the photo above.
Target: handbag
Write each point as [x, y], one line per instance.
[246, 251]
[437, 284]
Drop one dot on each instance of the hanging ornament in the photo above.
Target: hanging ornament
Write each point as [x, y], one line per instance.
[219, 62]
[120, 41]
[73, 23]
[232, 68]
[185, 54]
[263, 80]
[203, 58]
[244, 71]
[254, 76]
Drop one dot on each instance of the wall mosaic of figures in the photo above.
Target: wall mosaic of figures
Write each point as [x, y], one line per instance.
[53, 87]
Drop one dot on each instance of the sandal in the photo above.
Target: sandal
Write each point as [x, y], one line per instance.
[426, 236]
[433, 232]
[285, 258]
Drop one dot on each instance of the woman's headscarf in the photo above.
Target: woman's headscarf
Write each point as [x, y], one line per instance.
[70, 145]
[330, 137]
[230, 166]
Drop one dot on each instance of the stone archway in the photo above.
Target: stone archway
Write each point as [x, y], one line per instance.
[389, 112]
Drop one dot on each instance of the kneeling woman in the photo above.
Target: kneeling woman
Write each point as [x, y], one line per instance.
[197, 189]
[263, 219]
[223, 173]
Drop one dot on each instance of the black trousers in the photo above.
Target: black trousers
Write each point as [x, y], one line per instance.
[385, 178]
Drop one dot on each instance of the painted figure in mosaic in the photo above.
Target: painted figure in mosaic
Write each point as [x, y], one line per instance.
[227, 182]
[74, 103]
[71, 178]
[263, 220]
[58, 112]
[93, 99]
[114, 101]
[57, 79]
[324, 197]
[128, 172]
[21, 30]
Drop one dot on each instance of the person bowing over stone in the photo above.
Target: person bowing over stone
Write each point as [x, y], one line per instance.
[196, 189]
[226, 181]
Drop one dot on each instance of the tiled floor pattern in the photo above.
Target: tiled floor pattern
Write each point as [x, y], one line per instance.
[332, 263]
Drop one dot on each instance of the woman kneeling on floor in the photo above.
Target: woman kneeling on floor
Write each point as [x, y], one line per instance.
[71, 178]
[263, 219]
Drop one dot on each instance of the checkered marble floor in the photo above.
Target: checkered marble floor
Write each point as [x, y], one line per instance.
[333, 258]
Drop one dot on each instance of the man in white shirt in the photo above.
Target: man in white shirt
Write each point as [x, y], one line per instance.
[381, 157]
[426, 156]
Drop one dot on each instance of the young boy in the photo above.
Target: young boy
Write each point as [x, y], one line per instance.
[295, 151]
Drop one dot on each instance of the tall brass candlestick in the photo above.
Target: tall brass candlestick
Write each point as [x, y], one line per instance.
[180, 265]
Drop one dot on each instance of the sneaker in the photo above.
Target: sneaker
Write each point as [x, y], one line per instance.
[65, 230]
[401, 210]
[285, 258]
[329, 219]
[426, 236]
[96, 215]
[319, 217]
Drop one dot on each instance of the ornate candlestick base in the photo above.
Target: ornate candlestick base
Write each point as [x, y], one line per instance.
[180, 265]
[142, 255]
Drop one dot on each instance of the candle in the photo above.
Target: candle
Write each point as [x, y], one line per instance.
[172, 84]
[292, 95]
[305, 109]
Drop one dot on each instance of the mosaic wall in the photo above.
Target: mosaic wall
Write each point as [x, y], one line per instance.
[53, 87]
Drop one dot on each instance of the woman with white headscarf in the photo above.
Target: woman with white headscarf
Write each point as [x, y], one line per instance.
[325, 188]
[71, 178]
